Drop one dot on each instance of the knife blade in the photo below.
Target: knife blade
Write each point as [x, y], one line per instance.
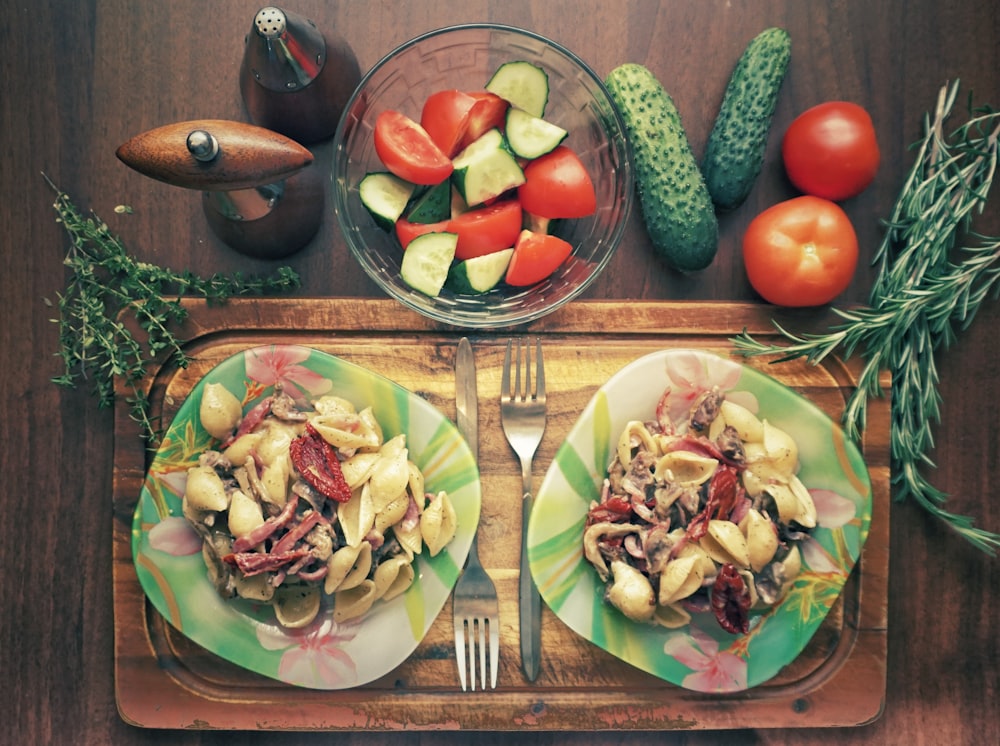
[466, 397]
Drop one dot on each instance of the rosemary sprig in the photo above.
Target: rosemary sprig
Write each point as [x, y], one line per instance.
[106, 285]
[927, 289]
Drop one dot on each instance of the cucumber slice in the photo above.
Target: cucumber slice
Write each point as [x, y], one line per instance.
[523, 85]
[385, 196]
[530, 136]
[479, 274]
[433, 206]
[426, 262]
[486, 169]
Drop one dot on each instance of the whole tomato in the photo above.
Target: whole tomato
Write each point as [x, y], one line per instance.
[831, 151]
[801, 252]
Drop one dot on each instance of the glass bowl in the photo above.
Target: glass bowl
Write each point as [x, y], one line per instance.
[464, 57]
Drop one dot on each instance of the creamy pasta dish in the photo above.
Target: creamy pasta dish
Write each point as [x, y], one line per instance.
[705, 514]
[299, 505]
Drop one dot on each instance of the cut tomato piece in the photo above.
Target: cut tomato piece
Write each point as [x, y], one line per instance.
[486, 229]
[557, 185]
[408, 151]
[488, 113]
[536, 256]
[445, 117]
[407, 231]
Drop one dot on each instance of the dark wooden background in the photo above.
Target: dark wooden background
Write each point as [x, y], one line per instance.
[80, 78]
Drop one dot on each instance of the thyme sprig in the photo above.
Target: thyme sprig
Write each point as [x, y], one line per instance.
[106, 288]
[929, 286]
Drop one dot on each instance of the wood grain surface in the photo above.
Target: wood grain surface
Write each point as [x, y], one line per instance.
[81, 78]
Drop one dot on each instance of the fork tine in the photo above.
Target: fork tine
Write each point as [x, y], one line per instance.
[494, 652]
[539, 372]
[505, 390]
[481, 643]
[460, 653]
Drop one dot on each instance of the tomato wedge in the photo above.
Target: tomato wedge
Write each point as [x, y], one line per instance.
[486, 229]
[408, 151]
[407, 231]
[489, 111]
[445, 116]
[557, 185]
[536, 256]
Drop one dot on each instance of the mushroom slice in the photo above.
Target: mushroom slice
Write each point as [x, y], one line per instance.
[295, 606]
[591, 543]
[681, 578]
[634, 436]
[725, 543]
[762, 538]
[686, 468]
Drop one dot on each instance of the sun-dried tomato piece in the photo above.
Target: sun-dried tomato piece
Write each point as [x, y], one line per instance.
[317, 463]
[730, 598]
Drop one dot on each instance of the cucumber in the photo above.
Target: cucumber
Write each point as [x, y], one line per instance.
[486, 169]
[735, 149]
[676, 207]
[480, 274]
[521, 84]
[433, 206]
[530, 136]
[385, 196]
[426, 262]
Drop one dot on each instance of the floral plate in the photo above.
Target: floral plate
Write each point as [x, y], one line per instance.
[701, 656]
[324, 655]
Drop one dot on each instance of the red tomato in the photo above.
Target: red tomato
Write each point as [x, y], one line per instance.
[408, 151]
[489, 111]
[445, 116]
[830, 150]
[407, 231]
[536, 256]
[801, 252]
[486, 229]
[557, 185]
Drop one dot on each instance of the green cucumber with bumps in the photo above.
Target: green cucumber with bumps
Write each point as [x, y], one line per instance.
[676, 206]
[734, 153]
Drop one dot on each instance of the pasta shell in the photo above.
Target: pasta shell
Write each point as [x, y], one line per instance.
[673, 616]
[371, 426]
[341, 430]
[780, 447]
[748, 426]
[762, 539]
[389, 477]
[274, 442]
[275, 480]
[786, 501]
[245, 514]
[295, 606]
[680, 579]
[357, 468]
[353, 602]
[220, 411]
[205, 490]
[241, 448]
[340, 565]
[392, 577]
[330, 404]
[356, 516]
[725, 543]
[631, 592]
[691, 549]
[392, 513]
[254, 588]
[635, 435]
[686, 468]
[438, 523]
[806, 514]
[416, 483]
[360, 570]
[409, 537]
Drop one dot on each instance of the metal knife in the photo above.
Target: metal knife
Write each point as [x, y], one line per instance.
[466, 396]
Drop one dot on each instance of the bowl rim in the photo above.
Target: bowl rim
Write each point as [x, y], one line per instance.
[458, 317]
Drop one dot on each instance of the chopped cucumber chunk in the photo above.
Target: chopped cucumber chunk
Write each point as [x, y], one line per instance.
[433, 206]
[385, 196]
[426, 262]
[530, 136]
[523, 85]
[479, 274]
[486, 169]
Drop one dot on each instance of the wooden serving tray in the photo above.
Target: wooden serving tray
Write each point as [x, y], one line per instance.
[165, 681]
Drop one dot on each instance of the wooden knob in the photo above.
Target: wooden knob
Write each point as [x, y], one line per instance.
[214, 155]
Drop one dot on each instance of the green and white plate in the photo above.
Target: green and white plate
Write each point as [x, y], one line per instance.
[326, 654]
[701, 656]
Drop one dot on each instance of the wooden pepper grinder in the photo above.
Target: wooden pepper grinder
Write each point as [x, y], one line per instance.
[294, 78]
[260, 192]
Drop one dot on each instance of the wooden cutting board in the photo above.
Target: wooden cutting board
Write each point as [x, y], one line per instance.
[165, 681]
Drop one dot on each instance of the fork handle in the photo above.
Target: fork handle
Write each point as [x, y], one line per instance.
[530, 603]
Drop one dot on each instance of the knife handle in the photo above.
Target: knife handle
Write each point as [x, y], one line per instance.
[530, 603]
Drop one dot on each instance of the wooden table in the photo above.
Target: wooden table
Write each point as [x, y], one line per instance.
[81, 78]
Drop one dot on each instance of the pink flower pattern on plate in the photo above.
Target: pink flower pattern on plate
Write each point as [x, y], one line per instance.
[314, 656]
[691, 375]
[712, 670]
[174, 536]
[283, 363]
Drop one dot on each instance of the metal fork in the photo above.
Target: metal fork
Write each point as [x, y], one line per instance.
[522, 414]
[475, 606]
